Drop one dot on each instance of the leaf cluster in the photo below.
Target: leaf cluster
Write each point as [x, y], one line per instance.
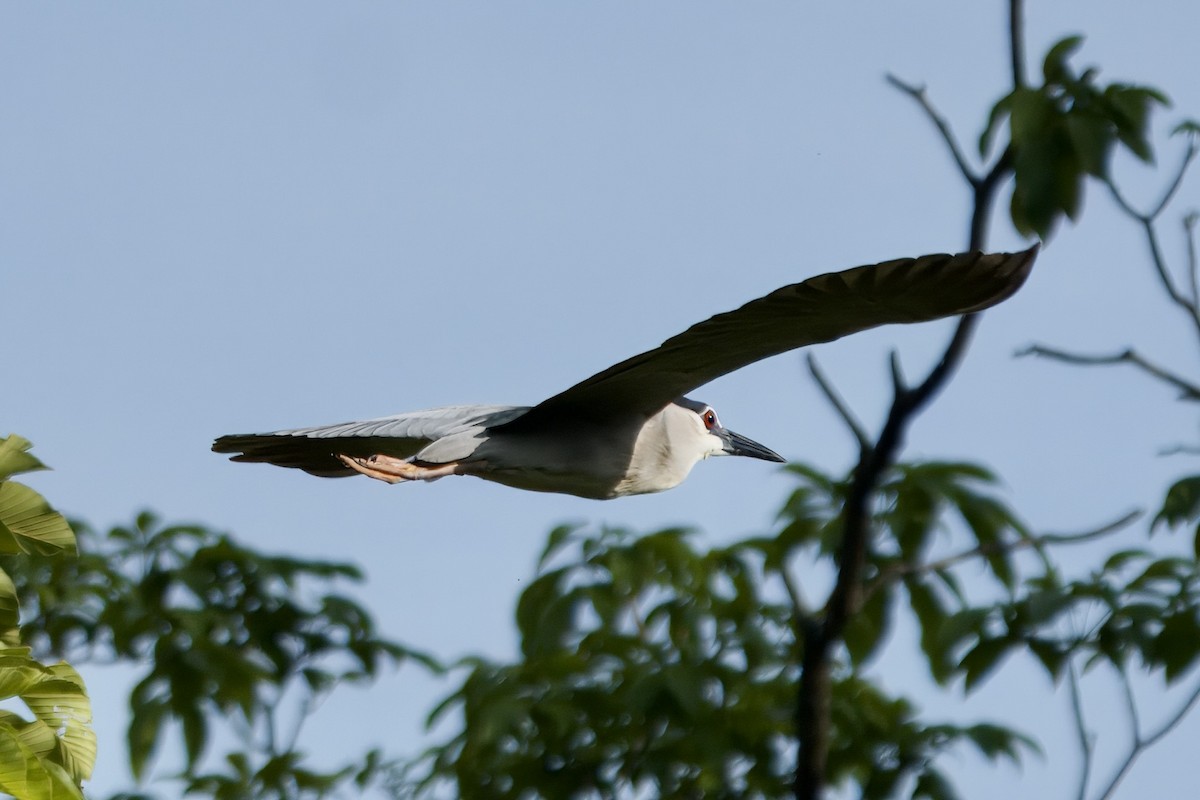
[653, 665]
[220, 632]
[1065, 130]
[50, 755]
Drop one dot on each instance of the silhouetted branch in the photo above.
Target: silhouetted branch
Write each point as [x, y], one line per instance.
[1188, 390]
[897, 571]
[919, 94]
[1086, 741]
[819, 638]
[1190, 305]
[839, 405]
[1016, 40]
[1180, 449]
[1189, 237]
[1142, 743]
[799, 607]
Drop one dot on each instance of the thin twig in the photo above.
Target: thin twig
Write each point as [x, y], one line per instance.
[1188, 390]
[1086, 743]
[1016, 50]
[1189, 237]
[1135, 722]
[1188, 154]
[839, 405]
[1180, 450]
[799, 607]
[1143, 744]
[1147, 220]
[893, 572]
[919, 94]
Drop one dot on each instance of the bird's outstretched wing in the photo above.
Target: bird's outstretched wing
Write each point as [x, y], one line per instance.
[315, 450]
[819, 309]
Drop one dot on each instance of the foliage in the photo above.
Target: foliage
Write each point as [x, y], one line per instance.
[50, 755]
[227, 633]
[1065, 130]
[652, 664]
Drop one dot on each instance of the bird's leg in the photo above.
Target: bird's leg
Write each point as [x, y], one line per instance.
[396, 470]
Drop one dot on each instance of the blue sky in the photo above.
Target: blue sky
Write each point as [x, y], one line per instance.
[221, 218]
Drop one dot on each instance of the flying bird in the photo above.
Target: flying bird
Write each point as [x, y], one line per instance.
[629, 429]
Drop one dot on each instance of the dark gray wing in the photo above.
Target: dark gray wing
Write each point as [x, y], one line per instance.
[819, 309]
[315, 450]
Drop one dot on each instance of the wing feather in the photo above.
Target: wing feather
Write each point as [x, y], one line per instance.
[315, 450]
[820, 309]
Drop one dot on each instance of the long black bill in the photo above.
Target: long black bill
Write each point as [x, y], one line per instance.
[738, 445]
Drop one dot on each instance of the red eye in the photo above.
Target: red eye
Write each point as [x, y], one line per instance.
[710, 419]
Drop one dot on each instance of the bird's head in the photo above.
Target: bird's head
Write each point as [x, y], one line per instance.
[713, 439]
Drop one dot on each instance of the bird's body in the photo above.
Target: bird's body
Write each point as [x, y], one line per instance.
[628, 429]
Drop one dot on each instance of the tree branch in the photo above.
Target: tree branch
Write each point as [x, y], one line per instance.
[894, 572]
[1141, 744]
[839, 405]
[1189, 237]
[1188, 154]
[919, 94]
[1086, 743]
[1188, 390]
[1016, 39]
[799, 607]
[1189, 305]
[820, 638]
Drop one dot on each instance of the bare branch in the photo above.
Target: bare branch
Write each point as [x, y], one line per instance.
[799, 607]
[1189, 233]
[1086, 742]
[919, 94]
[894, 572]
[1147, 219]
[1141, 744]
[1188, 390]
[1016, 28]
[1135, 722]
[839, 405]
[813, 712]
[1188, 154]
[1180, 450]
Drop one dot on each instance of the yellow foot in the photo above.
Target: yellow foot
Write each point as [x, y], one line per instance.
[396, 470]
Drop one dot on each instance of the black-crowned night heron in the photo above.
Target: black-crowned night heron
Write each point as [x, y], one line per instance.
[629, 429]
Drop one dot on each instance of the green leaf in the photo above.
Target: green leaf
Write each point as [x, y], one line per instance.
[26, 776]
[1189, 127]
[1129, 109]
[1091, 139]
[1178, 643]
[28, 524]
[14, 458]
[18, 673]
[60, 701]
[1051, 654]
[557, 539]
[10, 611]
[1182, 503]
[538, 606]
[932, 617]
[996, 116]
[996, 741]
[933, 786]
[1054, 66]
[867, 629]
[1031, 115]
[984, 658]
[142, 736]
